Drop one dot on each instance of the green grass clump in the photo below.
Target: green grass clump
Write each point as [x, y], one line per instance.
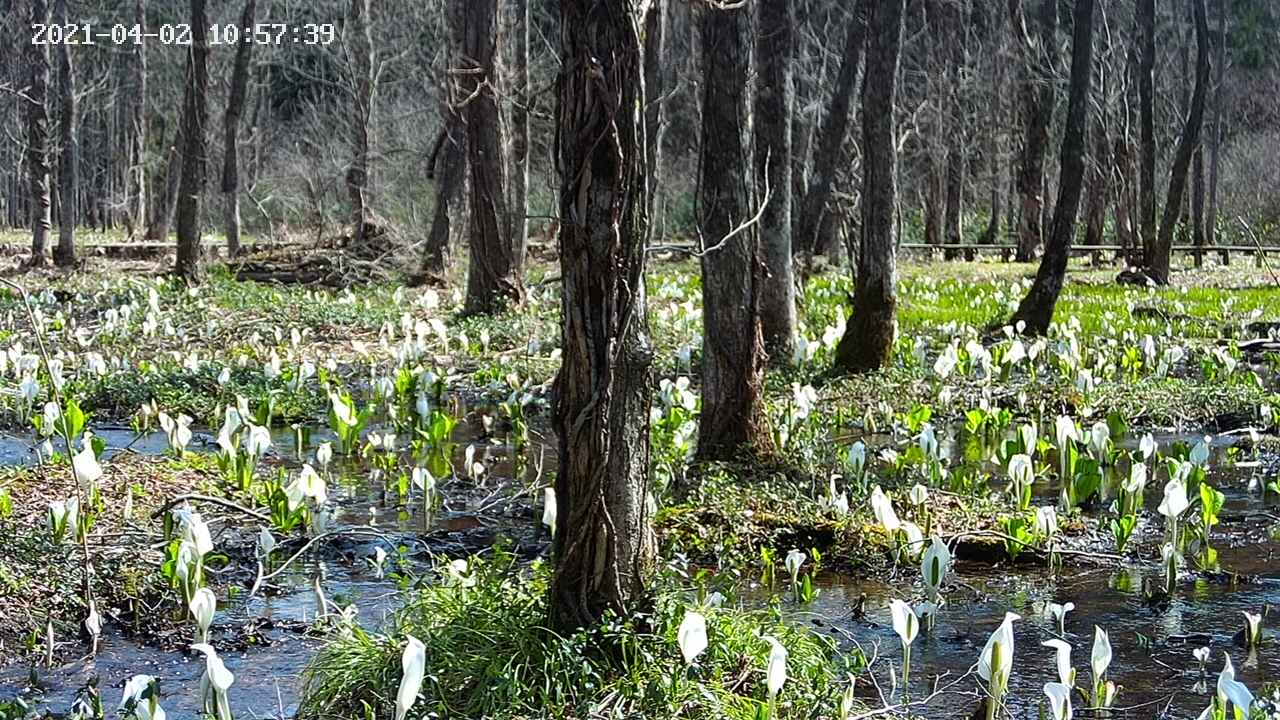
[490, 655]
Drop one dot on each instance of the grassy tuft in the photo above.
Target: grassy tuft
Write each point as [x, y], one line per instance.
[490, 655]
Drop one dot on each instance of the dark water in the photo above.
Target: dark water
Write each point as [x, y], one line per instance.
[1152, 675]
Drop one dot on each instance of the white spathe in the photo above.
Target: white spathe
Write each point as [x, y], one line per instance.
[692, 636]
[413, 666]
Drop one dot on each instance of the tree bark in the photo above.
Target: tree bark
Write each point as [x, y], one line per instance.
[231, 128]
[37, 117]
[733, 419]
[1037, 98]
[1159, 261]
[136, 131]
[656, 32]
[451, 154]
[493, 278]
[518, 144]
[831, 137]
[605, 549]
[1146, 17]
[1099, 172]
[64, 255]
[867, 343]
[1036, 309]
[996, 164]
[1215, 136]
[358, 35]
[1197, 204]
[774, 108]
[195, 114]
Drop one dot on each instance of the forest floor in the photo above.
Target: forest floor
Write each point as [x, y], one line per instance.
[469, 396]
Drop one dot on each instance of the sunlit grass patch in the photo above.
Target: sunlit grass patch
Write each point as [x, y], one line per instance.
[490, 655]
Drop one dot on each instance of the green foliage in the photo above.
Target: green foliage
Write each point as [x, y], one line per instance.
[490, 655]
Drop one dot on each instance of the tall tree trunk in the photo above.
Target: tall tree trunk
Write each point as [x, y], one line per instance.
[1159, 261]
[656, 31]
[164, 207]
[997, 167]
[733, 418]
[230, 129]
[493, 278]
[1036, 309]
[1037, 97]
[448, 165]
[195, 115]
[37, 117]
[954, 122]
[774, 108]
[1146, 17]
[868, 338]
[831, 137]
[136, 130]
[68, 171]
[1099, 173]
[358, 37]
[518, 143]
[1215, 136]
[1197, 204]
[605, 550]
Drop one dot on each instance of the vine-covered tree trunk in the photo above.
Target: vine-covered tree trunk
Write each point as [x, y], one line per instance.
[732, 417]
[1146, 18]
[37, 121]
[358, 38]
[1159, 260]
[230, 129]
[195, 114]
[774, 108]
[64, 255]
[493, 277]
[1036, 95]
[604, 544]
[1036, 309]
[831, 137]
[868, 338]
[448, 164]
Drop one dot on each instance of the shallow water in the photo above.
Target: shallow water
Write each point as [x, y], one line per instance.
[268, 675]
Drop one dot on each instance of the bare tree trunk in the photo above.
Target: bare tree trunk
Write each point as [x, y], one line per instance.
[733, 418]
[1146, 17]
[996, 164]
[448, 165]
[955, 19]
[656, 30]
[774, 108]
[493, 278]
[37, 107]
[518, 152]
[136, 131]
[230, 128]
[166, 206]
[1036, 309]
[358, 37]
[1197, 204]
[831, 137]
[605, 549]
[1037, 98]
[1159, 261]
[68, 171]
[868, 338]
[1215, 136]
[1099, 173]
[195, 115]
